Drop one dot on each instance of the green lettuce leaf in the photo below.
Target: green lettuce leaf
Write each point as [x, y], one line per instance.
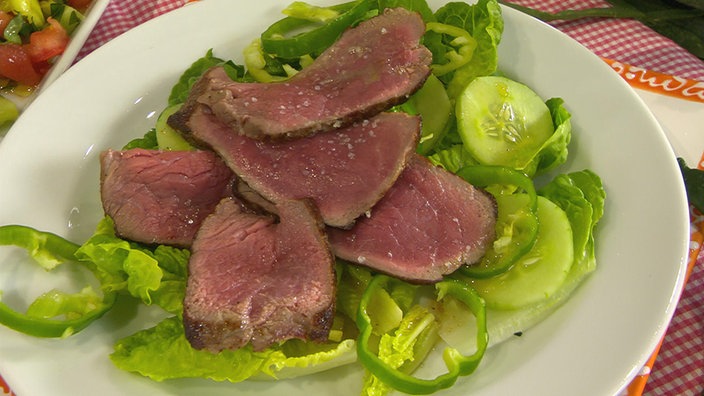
[405, 348]
[554, 150]
[163, 352]
[299, 358]
[582, 196]
[453, 159]
[485, 24]
[180, 91]
[148, 141]
[155, 277]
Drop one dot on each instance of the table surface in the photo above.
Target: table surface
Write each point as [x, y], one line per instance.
[671, 82]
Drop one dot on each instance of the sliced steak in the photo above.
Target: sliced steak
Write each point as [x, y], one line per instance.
[255, 280]
[162, 196]
[427, 225]
[345, 171]
[252, 198]
[372, 67]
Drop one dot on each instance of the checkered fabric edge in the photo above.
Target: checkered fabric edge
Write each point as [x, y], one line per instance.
[121, 16]
[625, 40]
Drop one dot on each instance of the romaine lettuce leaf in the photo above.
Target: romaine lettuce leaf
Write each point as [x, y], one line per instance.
[180, 91]
[299, 358]
[453, 159]
[163, 352]
[485, 24]
[404, 348]
[147, 142]
[155, 277]
[581, 195]
[554, 150]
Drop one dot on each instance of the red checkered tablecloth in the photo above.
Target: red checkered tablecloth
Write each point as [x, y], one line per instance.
[624, 40]
[121, 16]
[678, 368]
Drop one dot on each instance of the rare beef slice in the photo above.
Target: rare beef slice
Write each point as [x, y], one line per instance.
[255, 280]
[427, 225]
[344, 171]
[161, 197]
[372, 67]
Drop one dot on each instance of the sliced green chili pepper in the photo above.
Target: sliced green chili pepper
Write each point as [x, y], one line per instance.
[463, 41]
[517, 222]
[255, 62]
[317, 38]
[456, 363]
[49, 250]
[488, 175]
[303, 10]
[29, 9]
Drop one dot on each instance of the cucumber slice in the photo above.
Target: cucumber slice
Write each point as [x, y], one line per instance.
[502, 122]
[540, 272]
[433, 105]
[168, 138]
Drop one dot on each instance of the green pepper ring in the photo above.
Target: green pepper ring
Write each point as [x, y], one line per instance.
[464, 42]
[456, 363]
[312, 41]
[61, 249]
[483, 176]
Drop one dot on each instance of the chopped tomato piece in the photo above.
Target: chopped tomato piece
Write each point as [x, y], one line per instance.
[48, 42]
[5, 18]
[42, 67]
[80, 5]
[16, 65]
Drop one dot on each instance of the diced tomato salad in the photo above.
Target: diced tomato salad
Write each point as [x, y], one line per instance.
[33, 33]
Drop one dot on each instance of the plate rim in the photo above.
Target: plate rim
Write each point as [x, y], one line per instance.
[680, 279]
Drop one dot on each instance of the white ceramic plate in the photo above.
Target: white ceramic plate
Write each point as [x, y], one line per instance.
[593, 345]
[78, 38]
